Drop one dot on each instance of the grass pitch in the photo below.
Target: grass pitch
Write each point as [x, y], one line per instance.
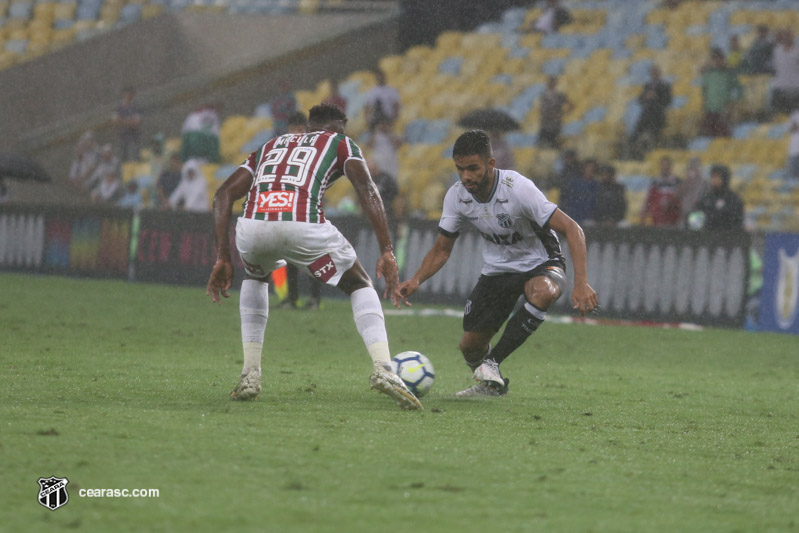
[118, 385]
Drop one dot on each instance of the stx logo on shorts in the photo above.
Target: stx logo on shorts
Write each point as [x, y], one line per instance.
[276, 201]
[323, 268]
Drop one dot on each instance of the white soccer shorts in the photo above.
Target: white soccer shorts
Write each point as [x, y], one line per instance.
[320, 250]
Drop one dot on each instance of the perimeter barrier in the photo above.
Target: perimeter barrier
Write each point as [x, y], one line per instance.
[638, 273]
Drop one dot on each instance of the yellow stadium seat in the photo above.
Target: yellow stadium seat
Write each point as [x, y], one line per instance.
[37, 26]
[64, 11]
[45, 11]
[151, 10]
[309, 6]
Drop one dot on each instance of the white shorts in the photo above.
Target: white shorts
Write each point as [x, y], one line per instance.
[319, 250]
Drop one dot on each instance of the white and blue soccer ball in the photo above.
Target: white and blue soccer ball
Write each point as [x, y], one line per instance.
[416, 371]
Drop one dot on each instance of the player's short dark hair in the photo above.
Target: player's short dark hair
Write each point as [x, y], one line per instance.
[473, 142]
[325, 114]
[297, 119]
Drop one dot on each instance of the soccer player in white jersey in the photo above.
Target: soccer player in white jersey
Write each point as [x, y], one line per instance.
[521, 256]
[283, 220]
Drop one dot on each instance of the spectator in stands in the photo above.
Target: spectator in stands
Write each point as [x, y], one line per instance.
[611, 201]
[282, 107]
[692, 189]
[158, 156]
[131, 198]
[108, 163]
[191, 193]
[566, 169]
[793, 144]
[168, 180]
[723, 209]
[87, 156]
[3, 191]
[503, 153]
[662, 204]
[655, 98]
[735, 54]
[552, 18]
[382, 102]
[383, 145]
[554, 105]
[297, 123]
[578, 198]
[757, 59]
[200, 135]
[335, 97]
[388, 188]
[128, 118]
[785, 88]
[720, 90]
[109, 189]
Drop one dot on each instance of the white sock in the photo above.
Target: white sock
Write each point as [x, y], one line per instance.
[254, 310]
[368, 315]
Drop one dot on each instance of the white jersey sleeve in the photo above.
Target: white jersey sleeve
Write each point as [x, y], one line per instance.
[451, 217]
[533, 202]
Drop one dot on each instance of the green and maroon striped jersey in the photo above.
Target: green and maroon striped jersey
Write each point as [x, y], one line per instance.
[292, 172]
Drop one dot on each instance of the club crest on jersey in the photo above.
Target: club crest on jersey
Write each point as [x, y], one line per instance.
[504, 221]
[276, 201]
[323, 268]
[53, 492]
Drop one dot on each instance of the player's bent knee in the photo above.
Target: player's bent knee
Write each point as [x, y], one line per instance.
[353, 279]
[542, 293]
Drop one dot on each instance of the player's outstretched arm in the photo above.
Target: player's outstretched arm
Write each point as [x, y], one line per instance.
[433, 260]
[583, 296]
[372, 206]
[234, 188]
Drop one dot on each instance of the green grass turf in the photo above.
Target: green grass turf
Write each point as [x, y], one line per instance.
[118, 385]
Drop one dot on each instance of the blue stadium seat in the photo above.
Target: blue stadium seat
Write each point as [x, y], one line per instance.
[595, 114]
[88, 11]
[130, 13]
[572, 129]
[505, 79]
[554, 67]
[744, 131]
[16, 46]
[20, 10]
[518, 139]
[263, 110]
[451, 65]
[257, 140]
[63, 24]
[223, 172]
[699, 144]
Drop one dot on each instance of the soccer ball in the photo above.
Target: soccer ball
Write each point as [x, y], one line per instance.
[416, 371]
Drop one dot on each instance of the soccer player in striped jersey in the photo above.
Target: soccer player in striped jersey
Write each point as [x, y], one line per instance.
[284, 182]
[522, 261]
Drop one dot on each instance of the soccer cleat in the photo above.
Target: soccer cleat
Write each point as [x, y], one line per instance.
[489, 372]
[385, 381]
[249, 386]
[484, 388]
